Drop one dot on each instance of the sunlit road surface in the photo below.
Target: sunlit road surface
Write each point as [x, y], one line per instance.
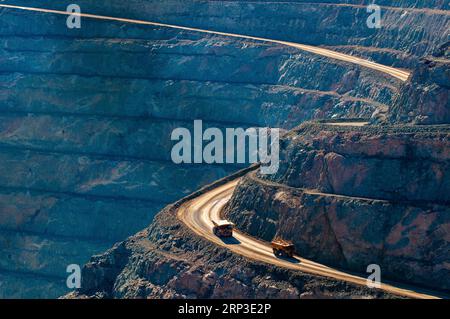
[397, 73]
[198, 214]
[348, 123]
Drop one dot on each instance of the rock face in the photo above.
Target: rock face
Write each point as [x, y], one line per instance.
[353, 197]
[168, 261]
[425, 99]
[86, 116]
[391, 163]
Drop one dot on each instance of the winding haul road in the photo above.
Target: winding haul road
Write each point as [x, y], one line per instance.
[198, 213]
[397, 73]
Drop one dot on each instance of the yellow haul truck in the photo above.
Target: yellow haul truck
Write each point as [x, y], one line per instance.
[283, 248]
[223, 228]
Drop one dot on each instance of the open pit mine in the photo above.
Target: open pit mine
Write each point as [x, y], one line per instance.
[97, 199]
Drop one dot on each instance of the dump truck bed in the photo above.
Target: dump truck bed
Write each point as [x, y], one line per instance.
[280, 243]
[222, 223]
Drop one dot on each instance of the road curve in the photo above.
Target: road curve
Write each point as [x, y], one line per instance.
[198, 214]
[397, 73]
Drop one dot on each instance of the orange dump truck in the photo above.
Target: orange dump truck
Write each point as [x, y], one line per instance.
[223, 228]
[283, 248]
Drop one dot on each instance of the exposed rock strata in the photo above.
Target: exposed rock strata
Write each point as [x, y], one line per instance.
[86, 117]
[58, 82]
[381, 162]
[425, 98]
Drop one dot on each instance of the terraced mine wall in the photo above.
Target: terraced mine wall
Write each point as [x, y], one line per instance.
[410, 28]
[86, 117]
[352, 197]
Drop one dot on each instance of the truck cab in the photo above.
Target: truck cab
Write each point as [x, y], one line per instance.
[223, 228]
[283, 248]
